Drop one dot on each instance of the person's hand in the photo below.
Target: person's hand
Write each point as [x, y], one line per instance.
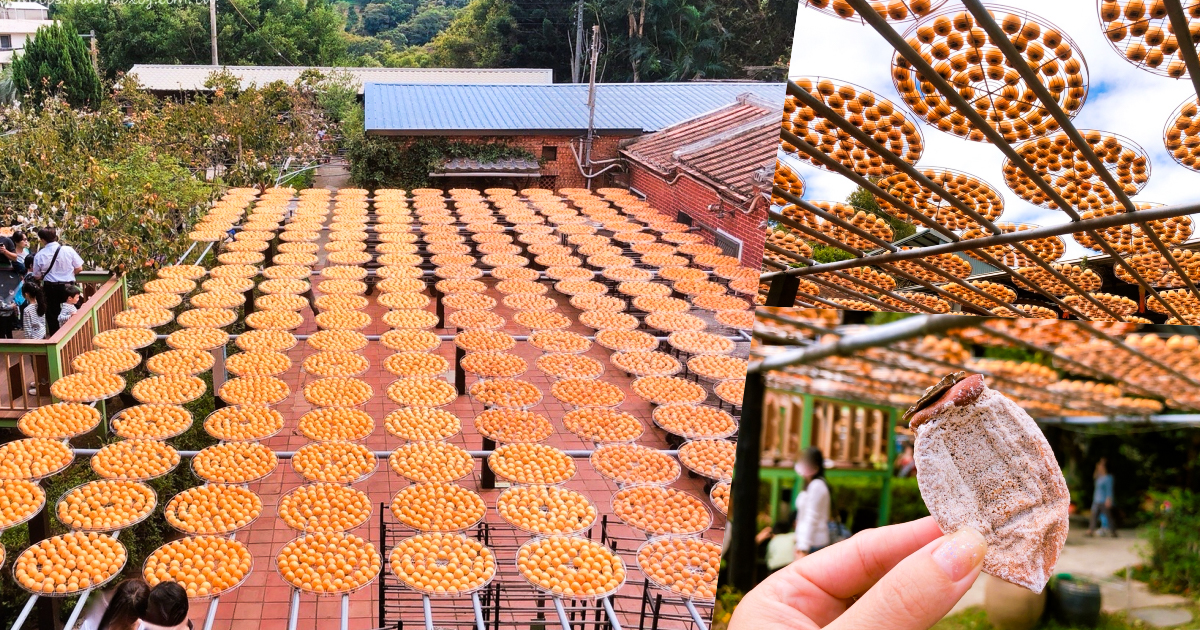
[800, 553]
[901, 577]
[763, 534]
[1108, 503]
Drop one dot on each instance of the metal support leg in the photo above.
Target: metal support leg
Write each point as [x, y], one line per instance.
[79, 606]
[294, 609]
[212, 613]
[346, 611]
[612, 614]
[783, 291]
[562, 614]
[460, 375]
[29, 604]
[487, 477]
[743, 508]
[700, 625]
[428, 612]
[479, 625]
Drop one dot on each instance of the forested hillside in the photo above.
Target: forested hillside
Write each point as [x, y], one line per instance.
[643, 40]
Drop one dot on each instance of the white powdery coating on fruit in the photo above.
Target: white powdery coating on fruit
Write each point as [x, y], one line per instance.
[987, 465]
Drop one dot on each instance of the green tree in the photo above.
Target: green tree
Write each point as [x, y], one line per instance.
[862, 199]
[56, 63]
[426, 24]
[485, 34]
[249, 32]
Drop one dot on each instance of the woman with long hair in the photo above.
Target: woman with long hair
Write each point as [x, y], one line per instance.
[813, 504]
[118, 609]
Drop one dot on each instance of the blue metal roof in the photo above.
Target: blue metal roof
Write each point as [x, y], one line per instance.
[424, 109]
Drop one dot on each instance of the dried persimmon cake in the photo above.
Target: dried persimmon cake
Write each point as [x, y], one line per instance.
[982, 462]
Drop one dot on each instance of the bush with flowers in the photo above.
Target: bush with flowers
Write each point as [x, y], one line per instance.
[124, 183]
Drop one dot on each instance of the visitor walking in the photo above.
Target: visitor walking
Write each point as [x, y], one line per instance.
[120, 608]
[813, 504]
[1102, 501]
[56, 266]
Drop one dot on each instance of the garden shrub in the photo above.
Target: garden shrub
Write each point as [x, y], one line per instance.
[1173, 554]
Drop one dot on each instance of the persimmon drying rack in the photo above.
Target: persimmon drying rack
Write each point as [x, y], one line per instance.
[783, 285]
[605, 610]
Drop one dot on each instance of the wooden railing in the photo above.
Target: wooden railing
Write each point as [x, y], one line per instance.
[853, 435]
[28, 366]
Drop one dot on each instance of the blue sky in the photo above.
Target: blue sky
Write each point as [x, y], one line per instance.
[1121, 99]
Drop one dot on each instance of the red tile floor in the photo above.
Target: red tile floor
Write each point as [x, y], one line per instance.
[263, 600]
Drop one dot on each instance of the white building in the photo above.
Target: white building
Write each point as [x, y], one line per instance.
[19, 20]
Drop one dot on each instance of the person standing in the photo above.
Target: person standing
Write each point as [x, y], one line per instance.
[56, 266]
[1102, 500]
[813, 504]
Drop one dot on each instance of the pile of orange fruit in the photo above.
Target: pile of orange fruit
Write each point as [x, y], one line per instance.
[245, 390]
[546, 509]
[601, 424]
[151, 422]
[324, 507]
[135, 459]
[659, 510]
[626, 340]
[169, 389]
[334, 462]
[569, 566]
[422, 423]
[662, 390]
[694, 421]
[258, 363]
[506, 393]
[565, 365]
[336, 423]
[213, 509]
[443, 564]
[110, 360]
[438, 507]
[105, 505]
[337, 391]
[411, 340]
[182, 362]
[711, 458]
[234, 462]
[531, 464]
[328, 563]
[59, 420]
[20, 500]
[431, 461]
[335, 363]
[411, 364]
[559, 341]
[205, 566]
[646, 363]
[493, 364]
[69, 563]
[583, 392]
[254, 421]
[127, 338]
[509, 426]
[87, 387]
[685, 566]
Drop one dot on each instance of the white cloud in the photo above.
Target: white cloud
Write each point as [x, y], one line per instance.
[1122, 99]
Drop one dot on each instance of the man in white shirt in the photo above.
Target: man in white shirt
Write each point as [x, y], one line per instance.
[55, 265]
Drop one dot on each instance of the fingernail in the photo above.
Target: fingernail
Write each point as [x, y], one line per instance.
[960, 553]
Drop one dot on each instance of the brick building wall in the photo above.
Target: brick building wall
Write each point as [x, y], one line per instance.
[692, 197]
[558, 166]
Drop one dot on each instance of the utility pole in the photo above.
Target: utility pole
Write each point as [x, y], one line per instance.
[587, 150]
[94, 51]
[212, 27]
[578, 42]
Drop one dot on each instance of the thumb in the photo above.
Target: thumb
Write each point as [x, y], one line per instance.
[922, 588]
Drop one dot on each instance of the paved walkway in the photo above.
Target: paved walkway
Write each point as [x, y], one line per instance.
[1098, 559]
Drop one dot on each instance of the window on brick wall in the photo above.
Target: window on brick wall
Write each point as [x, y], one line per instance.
[549, 154]
[729, 245]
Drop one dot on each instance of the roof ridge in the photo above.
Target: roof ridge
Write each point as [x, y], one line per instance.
[729, 134]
